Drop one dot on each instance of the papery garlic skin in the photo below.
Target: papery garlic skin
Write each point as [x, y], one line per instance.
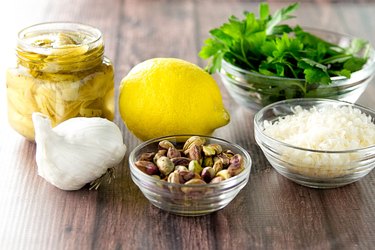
[77, 151]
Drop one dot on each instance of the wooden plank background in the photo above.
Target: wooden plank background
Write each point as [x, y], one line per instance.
[270, 213]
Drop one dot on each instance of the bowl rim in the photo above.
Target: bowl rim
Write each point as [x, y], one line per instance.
[370, 64]
[58, 25]
[294, 102]
[231, 182]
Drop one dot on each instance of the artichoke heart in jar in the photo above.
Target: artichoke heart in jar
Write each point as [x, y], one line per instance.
[61, 72]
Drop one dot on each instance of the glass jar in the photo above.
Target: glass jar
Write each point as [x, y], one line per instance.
[61, 72]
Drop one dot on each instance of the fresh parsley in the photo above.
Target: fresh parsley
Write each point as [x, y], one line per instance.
[263, 45]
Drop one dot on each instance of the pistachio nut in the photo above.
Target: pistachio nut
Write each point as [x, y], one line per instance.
[197, 176]
[218, 164]
[195, 182]
[224, 159]
[183, 161]
[195, 153]
[229, 153]
[234, 170]
[217, 179]
[236, 165]
[173, 153]
[208, 173]
[212, 149]
[147, 167]
[185, 175]
[165, 165]
[236, 159]
[217, 147]
[157, 177]
[195, 167]
[148, 156]
[174, 177]
[151, 169]
[194, 190]
[208, 161]
[181, 168]
[141, 165]
[160, 153]
[165, 144]
[208, 150]
[194, 140]
[224, 174]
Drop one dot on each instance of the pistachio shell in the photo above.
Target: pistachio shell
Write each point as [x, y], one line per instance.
[164, 144]
[194, 140]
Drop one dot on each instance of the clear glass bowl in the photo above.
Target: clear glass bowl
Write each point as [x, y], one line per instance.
[201, 199]
[343, 167]
[254, 90]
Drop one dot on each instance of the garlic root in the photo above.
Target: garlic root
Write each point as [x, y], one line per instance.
[77, 151]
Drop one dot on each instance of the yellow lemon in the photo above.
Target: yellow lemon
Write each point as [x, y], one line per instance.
[168, 96]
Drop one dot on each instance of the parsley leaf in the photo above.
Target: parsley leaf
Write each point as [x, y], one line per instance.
[279, 16]
[263, 44]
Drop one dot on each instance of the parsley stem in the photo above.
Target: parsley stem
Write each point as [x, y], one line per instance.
[244, 56]
[239, 57]
[336, 59]
[292, 70]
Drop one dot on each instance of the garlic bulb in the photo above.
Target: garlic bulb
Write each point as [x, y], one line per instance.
[77, 151]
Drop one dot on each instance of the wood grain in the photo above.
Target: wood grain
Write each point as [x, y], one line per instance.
[269, 213]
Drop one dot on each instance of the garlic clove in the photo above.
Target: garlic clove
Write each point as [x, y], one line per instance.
[77, 151]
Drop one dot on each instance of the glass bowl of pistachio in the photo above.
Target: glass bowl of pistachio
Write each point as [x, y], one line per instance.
[190, 175]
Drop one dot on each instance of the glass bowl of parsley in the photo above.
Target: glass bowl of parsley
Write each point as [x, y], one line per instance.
[261, 61]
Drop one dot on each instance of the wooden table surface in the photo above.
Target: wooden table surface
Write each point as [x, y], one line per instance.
[271, 212]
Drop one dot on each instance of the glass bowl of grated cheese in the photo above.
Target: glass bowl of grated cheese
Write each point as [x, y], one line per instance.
[318, 143]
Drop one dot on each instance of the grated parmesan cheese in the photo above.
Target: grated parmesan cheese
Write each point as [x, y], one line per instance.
[324, 128]
[327, 128]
